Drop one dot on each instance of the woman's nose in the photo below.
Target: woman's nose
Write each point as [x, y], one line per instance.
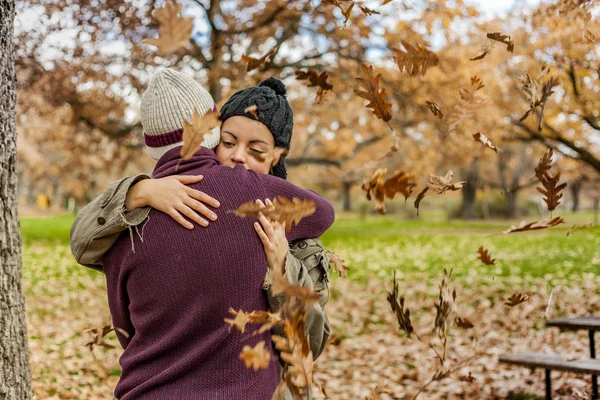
[238, 156]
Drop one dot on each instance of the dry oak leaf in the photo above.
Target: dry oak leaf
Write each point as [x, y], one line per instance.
[300, 366]
[337, 264]
[174, 31]
[281, 285]
[283, 210]
[100, 334]
[369, 90]
[266, 319]
[280, 391]
[368, 11]
[347, 12]
[435, 109]
[256, 357]
[463, 323]
[193, 133]
[516, 299]
[499, 37]
[252, 110]
[420, 197]
[483, 139]
[467, 378]
[468, 104]
[397, 304]
[550, 187]
[445, 307]
[315, 79]
[415, 60]
[378, 188]
[241, 319]
[253, 63]
[485, 256]
[442, 183]
[481, 56]
[536, 225]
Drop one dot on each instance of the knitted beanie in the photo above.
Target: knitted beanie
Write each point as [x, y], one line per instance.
[272, 109]
[169, 100]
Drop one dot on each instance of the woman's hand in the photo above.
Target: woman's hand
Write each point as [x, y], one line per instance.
[171, 196]
[272, 236]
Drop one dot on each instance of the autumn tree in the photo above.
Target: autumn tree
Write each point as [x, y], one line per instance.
[15, 378]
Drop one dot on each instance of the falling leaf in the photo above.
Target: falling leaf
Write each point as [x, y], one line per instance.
[463, 323]
[442, 183]
[550, 187]
[315, 79]
[532, 226]
[337, 264]
[369, 90]
[468, 105]
[481, 56]
[378, 188]
[385, 2]
[254, 63]
[445, 307]
[516, 299]
[415, 60]
[252, 110]
[280, 391]
[367, 11]
[281, 285]
[485, 256]
[576, 228]
[193, 133]
[538, 93]
[240, 320]
[420, 197]
[467, 378]
[265, 319]
[589, 37]
[499, 37]
[256, 357]
[282, 210]
[347, 12]
[100, 334]
[397, 304]
[174, 31]
[483, 139]
[435, 109]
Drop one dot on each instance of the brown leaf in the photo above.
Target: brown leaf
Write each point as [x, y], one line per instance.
[315, 79]
[481, 56]
[279, 393]
[483, 139]
[468, 105]
[499, 37]
[532, 226]
[240, 320]
[256, 357]
[347, 12]
[266, 319]
[589, 37]
[254, 63]
[550, 187]
[283, 210]
[445, 307]
[194, 132]
[369, 90]
[281, 285]
[174, 31]
[516, 299]
[378, 188]
[367, 11]
[415, 60]
[420, 197]
[442, 183]
[463, 323]
[435, 109]
[485, 256]
[467, 378]
[252, 110]
[397, 305]
[337, 264]
[538, 93]
[100, 333]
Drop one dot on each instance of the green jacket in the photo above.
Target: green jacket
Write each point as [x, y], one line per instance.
[100, 223]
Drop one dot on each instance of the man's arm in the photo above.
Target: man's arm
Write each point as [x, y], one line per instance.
[307, 265]
[99, 224]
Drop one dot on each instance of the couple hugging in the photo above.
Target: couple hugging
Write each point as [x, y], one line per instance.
[170, 286]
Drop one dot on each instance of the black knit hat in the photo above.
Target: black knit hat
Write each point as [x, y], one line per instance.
[272, 109]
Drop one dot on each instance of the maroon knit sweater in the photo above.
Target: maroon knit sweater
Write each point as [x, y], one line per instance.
[172, 293]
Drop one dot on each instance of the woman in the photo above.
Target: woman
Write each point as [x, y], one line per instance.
[255, 143]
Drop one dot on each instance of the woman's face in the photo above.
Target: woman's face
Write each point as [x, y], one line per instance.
[247, 142]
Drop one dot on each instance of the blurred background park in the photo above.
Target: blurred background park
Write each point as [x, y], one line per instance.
[82, 66]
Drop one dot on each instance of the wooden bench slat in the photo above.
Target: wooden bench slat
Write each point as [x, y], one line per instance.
[587, 322]
[552, 361]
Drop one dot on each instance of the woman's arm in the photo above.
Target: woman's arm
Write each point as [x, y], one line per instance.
[126, 203]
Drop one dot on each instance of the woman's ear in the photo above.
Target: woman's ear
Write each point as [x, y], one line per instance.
[278, 152]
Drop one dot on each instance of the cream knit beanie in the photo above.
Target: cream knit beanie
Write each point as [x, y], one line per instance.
[169, 100]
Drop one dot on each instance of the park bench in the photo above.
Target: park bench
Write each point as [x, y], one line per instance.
[557, 362]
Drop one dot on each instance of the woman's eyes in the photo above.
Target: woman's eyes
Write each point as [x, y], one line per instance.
[231, 144]
[227, 144]
[257, 151]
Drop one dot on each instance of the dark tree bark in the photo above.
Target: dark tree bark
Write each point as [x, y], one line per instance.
[346, 195]
[469, 191]
[15, 375]
[575, 188]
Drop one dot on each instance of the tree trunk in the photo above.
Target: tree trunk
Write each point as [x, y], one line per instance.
[575, 192]
[15, 376]
[511, 199]
[346, 195]
[469, 190]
